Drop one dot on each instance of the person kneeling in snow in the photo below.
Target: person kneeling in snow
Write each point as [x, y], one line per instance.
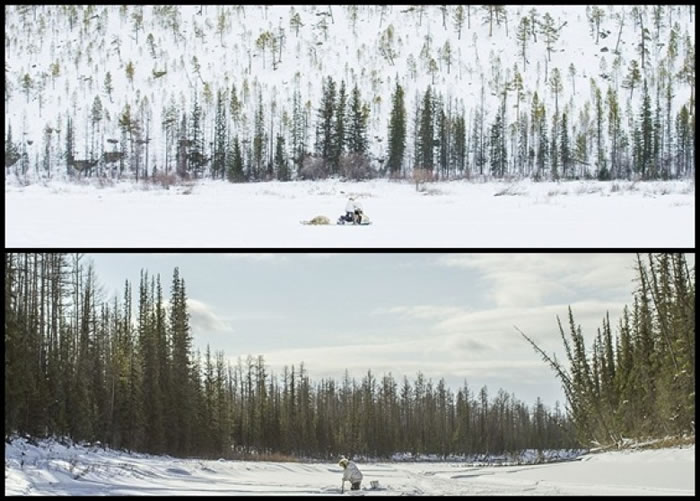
[353, 211]
[351, 474]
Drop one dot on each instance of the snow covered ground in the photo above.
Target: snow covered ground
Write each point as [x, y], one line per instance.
[51, 468]
[446, 214]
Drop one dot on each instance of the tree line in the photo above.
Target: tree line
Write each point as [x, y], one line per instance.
[126, 374]
[640, 382]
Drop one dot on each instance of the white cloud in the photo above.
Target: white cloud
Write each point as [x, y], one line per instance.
[435, 358]
[420, 311]
[527, 279]
[203, 317]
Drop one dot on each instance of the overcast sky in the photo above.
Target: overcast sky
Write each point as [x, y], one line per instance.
[447, 315]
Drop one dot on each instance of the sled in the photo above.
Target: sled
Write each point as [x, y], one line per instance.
[363, 222]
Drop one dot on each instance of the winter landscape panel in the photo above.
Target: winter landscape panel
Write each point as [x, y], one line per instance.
[590, 106]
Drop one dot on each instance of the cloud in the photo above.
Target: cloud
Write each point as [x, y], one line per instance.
[203, 318]
[434, 360]
[533, 279]
[419, 311]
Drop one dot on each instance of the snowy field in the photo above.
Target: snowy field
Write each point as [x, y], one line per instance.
[54, 469]
[445, 214]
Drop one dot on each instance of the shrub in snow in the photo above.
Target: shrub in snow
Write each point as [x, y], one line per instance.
[356, 167]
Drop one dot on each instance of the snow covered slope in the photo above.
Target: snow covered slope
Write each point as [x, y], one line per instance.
[50, 468]
[57, 59]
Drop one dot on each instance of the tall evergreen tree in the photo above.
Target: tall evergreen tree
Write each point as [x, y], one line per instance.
[397, 131]
[565, 147]
[647, 126]
[426, 136]
[281, 162]
[338, 137]
[235, 171]
[259, 141]
[219, 157]
[357, 131]
[325, 130]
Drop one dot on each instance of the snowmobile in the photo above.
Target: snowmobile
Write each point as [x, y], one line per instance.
[359, 218]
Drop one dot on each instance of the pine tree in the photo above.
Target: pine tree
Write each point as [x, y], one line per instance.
[12, 154]
[298, 132]
[338, 138]
[281, 163]
[397, 131]
[259, 140]
[554, 156]
[523, 37]
[600, 151]
[542, 142]
[614, 131]
[498, 154]
[647, 132]
[683, 142]
[565, 147]
[181, 342]
[69, 146]
[325, 129]
[550, 34]
[426, 135]
[27, 85]
[459, 20]
[633, 77]
[460, 150]
[234, 106]
[443, 139]
[195, 154]
[219, 157]
[357, 130]
[96, 116]
[235, 171]
[597, 15]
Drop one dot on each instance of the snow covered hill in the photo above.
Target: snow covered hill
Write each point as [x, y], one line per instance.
[50, 468]
[58, 58]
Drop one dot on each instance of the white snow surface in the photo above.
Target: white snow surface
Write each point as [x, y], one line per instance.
[208, 214]
[50, 468]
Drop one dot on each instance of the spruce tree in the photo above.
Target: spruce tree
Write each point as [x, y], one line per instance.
[647, 135]
[195, 154]
[259, 141]
[565, 147]
[498, 155]
[235, 171]
[397, 131]
[219, 157]
[338, 138]
[325, 129]
[281, 163]
[426, 136]
[357, 130]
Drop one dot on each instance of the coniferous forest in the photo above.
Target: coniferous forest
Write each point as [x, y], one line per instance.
[640, 380]
[251, 93]
[124, 372]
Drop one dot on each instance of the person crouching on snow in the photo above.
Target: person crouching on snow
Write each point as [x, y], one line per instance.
[350, 210]
[353, 211]
[351, 474]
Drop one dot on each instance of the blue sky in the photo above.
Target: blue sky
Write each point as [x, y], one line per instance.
[447, 315]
